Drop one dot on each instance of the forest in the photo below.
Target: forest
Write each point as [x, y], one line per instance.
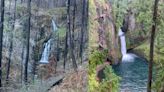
[43, 43]
[81, 46]
[126, 46]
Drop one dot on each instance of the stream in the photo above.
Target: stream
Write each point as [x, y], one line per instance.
[134, 75]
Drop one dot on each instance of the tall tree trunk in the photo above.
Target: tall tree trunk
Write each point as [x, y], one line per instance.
[58, 49]
[73, 26]
[66, 50]
[70, 36]
[36, 48]
[152, 45]
[1, 37]
[86, 22]
[82, 30]
[22, 57]
[9, 19]
[11, 43]
[35, 58]
[28, 41]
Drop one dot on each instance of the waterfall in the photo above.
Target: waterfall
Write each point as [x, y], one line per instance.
[123, 42]
[46, 52]
[54, 26]
[47, 46]
[126, 57]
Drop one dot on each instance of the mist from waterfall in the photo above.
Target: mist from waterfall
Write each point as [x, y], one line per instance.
[126, 57]
[47, 46]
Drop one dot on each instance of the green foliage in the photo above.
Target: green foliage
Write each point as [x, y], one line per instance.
[97, 58]
[119, 9]
[143, 12]
[141, 9]
[111, 81]
[92, 82]
[93, 25]
[61, 31]
[158, 84]
[58, 11]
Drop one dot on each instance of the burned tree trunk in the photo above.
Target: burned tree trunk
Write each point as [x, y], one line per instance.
[28, 41]
[58, 49]
[11, 43]
[70, 36]
[1, 37]
[82, 30]
[66, 50]
[73, 26]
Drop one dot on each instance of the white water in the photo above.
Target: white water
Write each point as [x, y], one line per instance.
[54, 26]
[47, 48]
[123, 42]
[126, 57]
[46, 52]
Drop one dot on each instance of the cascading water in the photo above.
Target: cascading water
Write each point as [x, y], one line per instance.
[54, 26]
[46, 52]
[128, 57]
[133, 70]
[47, 48]
[123, 42]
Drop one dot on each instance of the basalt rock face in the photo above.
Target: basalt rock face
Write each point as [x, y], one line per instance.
[102, 28]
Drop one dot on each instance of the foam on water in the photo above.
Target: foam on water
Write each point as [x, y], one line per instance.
[129, 57]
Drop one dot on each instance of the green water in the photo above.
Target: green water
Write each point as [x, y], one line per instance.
[134, 75]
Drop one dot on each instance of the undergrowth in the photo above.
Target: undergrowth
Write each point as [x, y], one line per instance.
[111, 81]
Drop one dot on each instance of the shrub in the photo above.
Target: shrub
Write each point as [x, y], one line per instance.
[111, 81]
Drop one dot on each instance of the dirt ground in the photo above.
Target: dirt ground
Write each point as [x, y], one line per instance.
[73, 82]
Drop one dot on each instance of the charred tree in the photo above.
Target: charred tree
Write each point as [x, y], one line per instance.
[58, 49]
[1, 37]
[28, 41]
[70, 36]
[73, 26]
[22, 57]
[82, 30]
[11, 43]
[66, 50]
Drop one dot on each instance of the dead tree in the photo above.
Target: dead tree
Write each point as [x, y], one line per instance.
[1, 37]
[11, 42]
[70, 36]
[28, 41]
